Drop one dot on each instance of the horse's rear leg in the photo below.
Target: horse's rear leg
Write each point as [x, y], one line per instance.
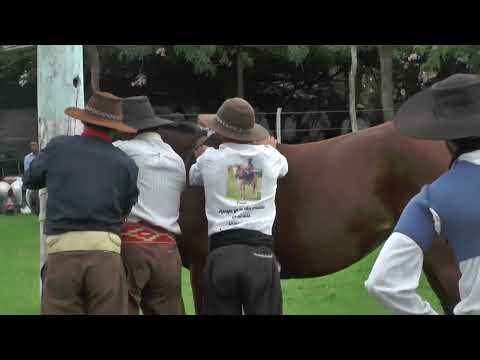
[196, 281]
[443, 274]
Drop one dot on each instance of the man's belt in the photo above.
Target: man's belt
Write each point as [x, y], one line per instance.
[143, 233]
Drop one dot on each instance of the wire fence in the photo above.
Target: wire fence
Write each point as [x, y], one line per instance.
[296, 116]
[296, 112]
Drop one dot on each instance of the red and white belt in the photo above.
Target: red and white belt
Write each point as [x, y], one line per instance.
[142, 233]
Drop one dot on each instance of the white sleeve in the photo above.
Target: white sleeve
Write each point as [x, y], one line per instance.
[195, 176]
[280, 163]
[184, 172]
[395, 277]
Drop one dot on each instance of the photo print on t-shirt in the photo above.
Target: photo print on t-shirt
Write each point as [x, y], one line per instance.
[244, 182]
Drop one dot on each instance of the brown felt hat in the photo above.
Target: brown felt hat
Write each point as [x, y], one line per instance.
[103, 109]
[448, 110]
[235, 119]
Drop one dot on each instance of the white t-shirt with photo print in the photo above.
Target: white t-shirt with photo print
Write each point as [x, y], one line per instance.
[240, 182]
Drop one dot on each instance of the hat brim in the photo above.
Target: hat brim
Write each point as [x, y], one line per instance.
[257, 133]
[89, 118]
[416, 118]
[148, 123]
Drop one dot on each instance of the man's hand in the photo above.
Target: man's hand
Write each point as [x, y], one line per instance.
[200, 150]
[268, 141]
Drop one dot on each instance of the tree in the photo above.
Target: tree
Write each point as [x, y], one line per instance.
[206, 59]
[94, 61]
[386, 71]
[352, 87]
[442, 58]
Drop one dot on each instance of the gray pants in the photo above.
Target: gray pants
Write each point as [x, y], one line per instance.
[242, 277]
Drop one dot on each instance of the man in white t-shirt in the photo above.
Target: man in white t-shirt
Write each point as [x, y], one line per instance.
[240, 181]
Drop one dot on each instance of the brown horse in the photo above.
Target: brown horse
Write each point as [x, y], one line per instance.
[339, 201]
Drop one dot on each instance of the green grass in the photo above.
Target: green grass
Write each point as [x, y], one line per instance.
[337, 294]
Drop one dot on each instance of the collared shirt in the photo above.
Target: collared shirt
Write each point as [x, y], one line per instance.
[240, 183]
[440, 208]
[92, 185]
[27, 161]
[161, 180]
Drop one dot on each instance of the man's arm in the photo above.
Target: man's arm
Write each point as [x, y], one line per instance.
[395, 277]
[35, 176]
[279, 163]
[195, 176]
[282, 166]
[133, 188]
[396, 274]
[25, 163]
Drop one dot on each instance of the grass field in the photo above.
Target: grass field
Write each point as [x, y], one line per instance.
[338, 294]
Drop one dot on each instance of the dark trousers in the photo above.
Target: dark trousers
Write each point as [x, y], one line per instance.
[242, 276]
[154, 278]
[84, 282]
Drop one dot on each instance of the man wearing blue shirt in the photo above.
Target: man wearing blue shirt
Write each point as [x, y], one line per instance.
[448, 111]
[26, 165]
[29, 158]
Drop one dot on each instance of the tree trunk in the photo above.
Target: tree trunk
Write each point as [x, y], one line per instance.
[386, 52]
[57, 67]
[352, 88]
[94, 60]
[240, 76]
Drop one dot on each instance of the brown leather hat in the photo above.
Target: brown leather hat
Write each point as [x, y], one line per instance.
[235, 119]
[450, 109]
[103, 109]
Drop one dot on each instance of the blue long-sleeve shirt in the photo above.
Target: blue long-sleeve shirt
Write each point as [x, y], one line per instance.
[91, 184]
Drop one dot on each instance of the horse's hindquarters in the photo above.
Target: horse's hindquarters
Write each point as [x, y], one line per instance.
[342, 197]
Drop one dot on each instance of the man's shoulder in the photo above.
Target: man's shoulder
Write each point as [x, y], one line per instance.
[211, 152]
[119, 153]
[270, 151]
[61, 140]
[173, 155]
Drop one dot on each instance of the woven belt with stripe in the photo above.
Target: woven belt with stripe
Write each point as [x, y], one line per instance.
[142, 233]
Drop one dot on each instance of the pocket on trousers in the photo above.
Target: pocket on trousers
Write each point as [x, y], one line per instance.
[262, 252]
[266, 254]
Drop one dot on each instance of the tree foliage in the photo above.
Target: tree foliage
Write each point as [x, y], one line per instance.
[437, 56]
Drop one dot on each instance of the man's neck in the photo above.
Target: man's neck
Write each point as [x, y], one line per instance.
[103, 135]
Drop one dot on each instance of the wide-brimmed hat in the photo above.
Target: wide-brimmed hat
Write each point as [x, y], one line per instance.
[103, 109]
[138, 113]
[450, 109]
[235, 119]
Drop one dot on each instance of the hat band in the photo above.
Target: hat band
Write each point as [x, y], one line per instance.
[231, 127]
[102, 114]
